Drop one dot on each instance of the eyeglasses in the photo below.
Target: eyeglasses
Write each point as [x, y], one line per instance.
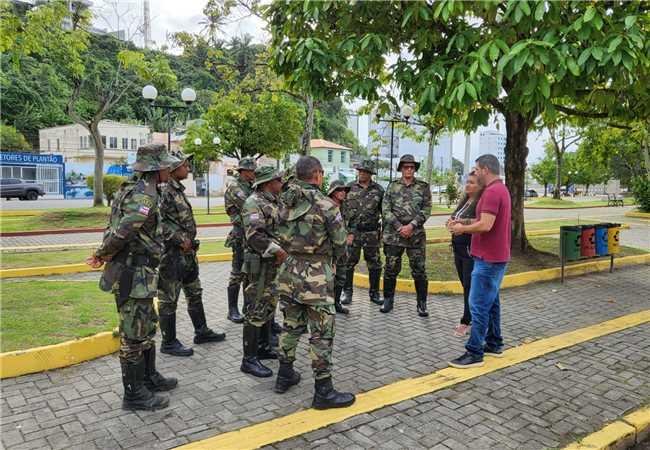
[408, 168]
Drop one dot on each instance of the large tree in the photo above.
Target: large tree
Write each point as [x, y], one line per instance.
[543, 171]
[518, 58]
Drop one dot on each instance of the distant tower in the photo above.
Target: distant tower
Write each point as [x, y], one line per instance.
[148, 43]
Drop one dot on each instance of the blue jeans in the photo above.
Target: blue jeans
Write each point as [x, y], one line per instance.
[485, 306]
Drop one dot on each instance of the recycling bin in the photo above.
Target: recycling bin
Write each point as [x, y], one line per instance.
[570, 236]
[613, 235]
[588, 241]
[602, 238]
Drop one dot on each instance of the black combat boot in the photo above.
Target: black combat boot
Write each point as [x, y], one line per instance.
[233, 310]
[346, 298]
[153, 380]
[136, 395]
[337, 301]
[375, 276]
[202, 333]
[287, 377]
[250, 364]
[421, 292]
[389, 294]
[326, 397]
[170, 345]
[265, 343]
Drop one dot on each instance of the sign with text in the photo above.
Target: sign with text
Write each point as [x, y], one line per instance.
[30, 158]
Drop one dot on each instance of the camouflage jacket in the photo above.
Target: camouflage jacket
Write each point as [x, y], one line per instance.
[261, 216]
[134, 226]
[234, 199]
[313, 233]
[405, 205]
[178, 222]
[362, 208]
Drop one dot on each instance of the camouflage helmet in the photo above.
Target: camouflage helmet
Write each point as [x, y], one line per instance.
[367, 165]
[407, 159]
[265, 174]
[182, 157]
[246, 164]
[153, 157]
[336, 185]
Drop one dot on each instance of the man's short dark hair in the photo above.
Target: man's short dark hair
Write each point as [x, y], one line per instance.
[490, 162]
[306, 167]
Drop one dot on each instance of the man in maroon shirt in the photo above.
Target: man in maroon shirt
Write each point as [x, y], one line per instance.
[491, 235]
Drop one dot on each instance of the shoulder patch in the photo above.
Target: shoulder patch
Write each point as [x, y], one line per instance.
[144, 210]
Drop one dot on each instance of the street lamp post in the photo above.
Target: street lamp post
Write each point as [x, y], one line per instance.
[402, 117]
[215, 141]
[150, 93]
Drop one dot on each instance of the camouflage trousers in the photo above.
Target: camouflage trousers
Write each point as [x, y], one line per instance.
[170, 290]
[319, 320]
[341, 271]
[416, 256]
[137, 328]
[260, 308]
[369, 242]
[237, 277]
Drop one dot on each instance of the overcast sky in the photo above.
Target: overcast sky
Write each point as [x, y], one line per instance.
[170, 16]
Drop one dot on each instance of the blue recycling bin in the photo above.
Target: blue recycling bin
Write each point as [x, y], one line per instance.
[602, 247]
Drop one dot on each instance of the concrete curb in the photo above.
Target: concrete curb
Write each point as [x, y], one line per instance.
[572, 207]
[637, 214]
[64, 354]
[84, 230]
[624, 433]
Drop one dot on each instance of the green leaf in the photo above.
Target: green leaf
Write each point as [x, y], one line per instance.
[584, 56]
[614, 44]
[461, 92]
[589, 14]
[616, 58]
[572, 66]
[545, 87]
[407, 15]
[598, 21]
[494, 52]
[539, 11]
[471, 90]
[485, 66]
[597, 53]
[519, 46]
[473, 68]
[629, 21]
[525, 7]
[502, 45]
[628, 62]
[518, 14]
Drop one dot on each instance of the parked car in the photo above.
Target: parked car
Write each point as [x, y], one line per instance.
[16, 188]
[531, 193]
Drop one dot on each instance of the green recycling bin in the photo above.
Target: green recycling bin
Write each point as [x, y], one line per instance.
[570, 236]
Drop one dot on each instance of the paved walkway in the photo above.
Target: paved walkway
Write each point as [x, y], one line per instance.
[541, 403]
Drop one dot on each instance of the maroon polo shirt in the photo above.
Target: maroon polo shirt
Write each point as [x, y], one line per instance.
[494, 246]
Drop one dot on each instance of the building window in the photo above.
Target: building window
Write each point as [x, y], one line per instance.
[112, 142]
[330, 156]
[134, 144]
[104, 141]
[342, 157]
[125, 143]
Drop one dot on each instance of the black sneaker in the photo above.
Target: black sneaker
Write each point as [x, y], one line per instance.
[466, 361]
[494, 352]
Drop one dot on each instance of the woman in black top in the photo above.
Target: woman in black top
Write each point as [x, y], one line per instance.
[465, 212]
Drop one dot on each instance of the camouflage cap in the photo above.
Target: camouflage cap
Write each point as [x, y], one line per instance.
[367, 165]
[246, 164]
[265, 174]
[407, 159]
[153, 157]
[182, 157]
[336, 185]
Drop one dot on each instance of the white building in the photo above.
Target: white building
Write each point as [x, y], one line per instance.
[78, 149]
[492, 142]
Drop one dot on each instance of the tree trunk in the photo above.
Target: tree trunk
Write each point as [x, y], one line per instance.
[545, 189]
[308, 128]
[558, 175]
[98, 186]
[432, 141]
[586, 189]
[516, 153]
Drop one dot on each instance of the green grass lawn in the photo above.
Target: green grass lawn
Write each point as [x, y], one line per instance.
[36, 313]
[564, 204]
[59, 257]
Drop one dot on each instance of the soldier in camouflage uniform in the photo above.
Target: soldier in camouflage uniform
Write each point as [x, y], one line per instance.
[234, 199]
[131, 249]
[337, 192]
[312, 231]
[406, 207]
[362, 213]
[179, 267]
[262, 256]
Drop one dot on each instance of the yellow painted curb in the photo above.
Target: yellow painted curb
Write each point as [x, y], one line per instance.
[215, 257]
[637, 214]
[629, 430]
[21, 213]
[22, 362]
[301, 422]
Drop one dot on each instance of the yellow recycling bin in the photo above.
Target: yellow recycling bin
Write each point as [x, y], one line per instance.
[613, 235]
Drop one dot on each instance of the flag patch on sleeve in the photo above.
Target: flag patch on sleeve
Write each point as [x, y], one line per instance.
[144, 210]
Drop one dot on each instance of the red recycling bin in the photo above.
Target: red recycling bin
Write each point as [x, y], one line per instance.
[588, 242]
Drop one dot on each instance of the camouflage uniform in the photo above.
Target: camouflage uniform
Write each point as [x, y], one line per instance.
[342, 262]
[362, 213]
[312, 231]
[179, 270]
[234, 198]
[133, 243]
[405, 204]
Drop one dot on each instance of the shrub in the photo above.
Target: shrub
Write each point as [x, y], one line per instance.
[111, 184]
[641, 190]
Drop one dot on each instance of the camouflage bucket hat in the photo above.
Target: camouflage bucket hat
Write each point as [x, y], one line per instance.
[265, 174]
[182, 157]
[407, 159]
[367, 165]
[336, 185]
[246, 164]
[153, 157]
